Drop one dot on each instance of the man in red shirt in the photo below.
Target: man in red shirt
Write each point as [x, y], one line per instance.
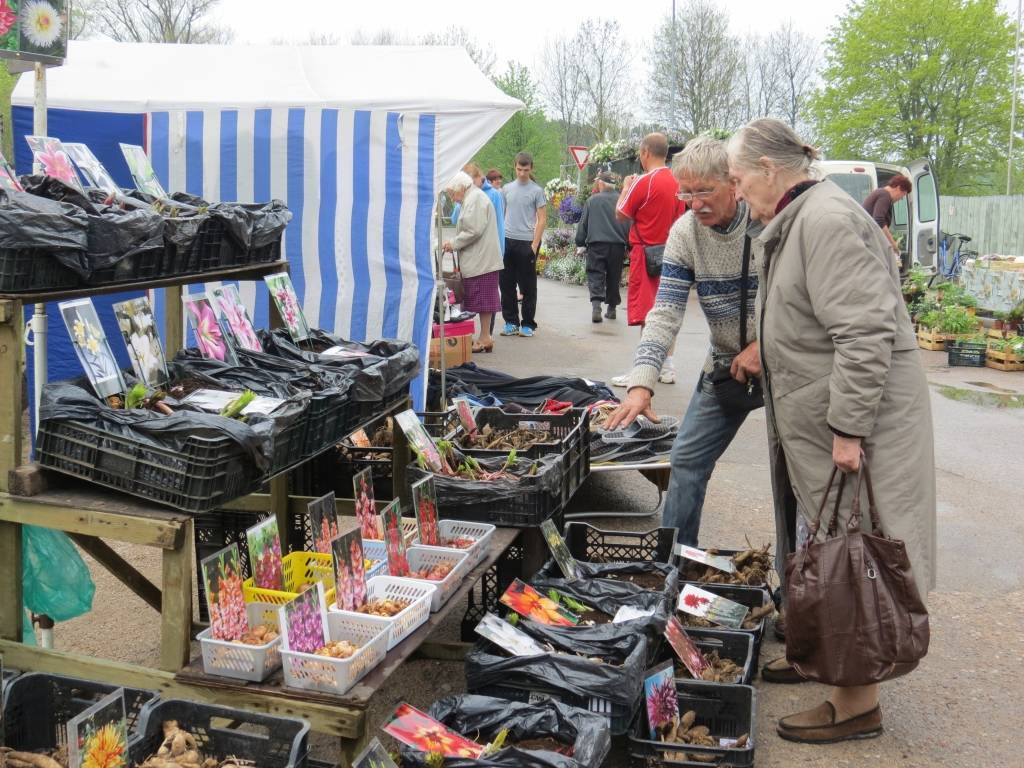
[649, 201]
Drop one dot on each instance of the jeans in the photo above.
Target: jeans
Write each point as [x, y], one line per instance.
[604, 272]
[703, 436]
[520, 271]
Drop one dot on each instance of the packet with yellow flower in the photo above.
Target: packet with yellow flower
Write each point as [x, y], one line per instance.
[98, 738]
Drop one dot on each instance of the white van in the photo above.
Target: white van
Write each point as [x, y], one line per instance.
[915, 218]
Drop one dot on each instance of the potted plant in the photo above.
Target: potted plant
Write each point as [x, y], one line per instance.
[999, 320]
[956, 320]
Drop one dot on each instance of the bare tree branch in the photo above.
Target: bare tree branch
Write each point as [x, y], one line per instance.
[153, 21]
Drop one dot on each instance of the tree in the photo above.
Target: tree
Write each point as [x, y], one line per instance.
[796, 68]
[933, 80]
[560, 84]
[604, 63]
[460, 38]
[527, 130]
[152, 21]
[758, 81]
[695, 67]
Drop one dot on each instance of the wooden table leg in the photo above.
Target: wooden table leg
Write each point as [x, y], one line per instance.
[176, 617]
[12, 368]
[350, 748]
[11, 608]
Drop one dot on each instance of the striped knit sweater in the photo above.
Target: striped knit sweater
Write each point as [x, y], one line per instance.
[713, 260]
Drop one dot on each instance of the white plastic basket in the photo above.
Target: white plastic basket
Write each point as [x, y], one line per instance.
[310, 672]
[424, 557]
[254, 663]
[419, 593]
[450, 529]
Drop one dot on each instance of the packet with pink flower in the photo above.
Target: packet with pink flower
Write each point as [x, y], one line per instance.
[8, 179]
[303, 621]
[366, 507]
[211, 336]
[323, 521]
[230, 309]
[287, 303]
[265, 554]
[50, 154]
[222, 581]
[349, 574]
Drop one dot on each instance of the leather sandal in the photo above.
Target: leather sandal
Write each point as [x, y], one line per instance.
[819, 726]
[478, 347]
[781, 672]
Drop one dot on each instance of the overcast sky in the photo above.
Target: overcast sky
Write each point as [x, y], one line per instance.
[515, 29]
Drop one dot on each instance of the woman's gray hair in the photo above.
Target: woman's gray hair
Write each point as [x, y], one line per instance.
[774, 140]
[460, 182]
[703, 157]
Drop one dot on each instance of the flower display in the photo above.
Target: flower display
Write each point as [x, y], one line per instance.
[394, 541]
[424, 499]
[569, 211]
[105, 748]
[355, 562]
[265, 555]
[7, 17]
[349, 571]
[237, 318]
[41, 24]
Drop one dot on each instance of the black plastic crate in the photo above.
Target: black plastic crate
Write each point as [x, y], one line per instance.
[144, 265]
[521, 511]
[37, 708]
[729, 711]
[33, 270]
[689, 569]
[265, 253]
[564, 427]
[204, 253]
[291, 443]
[594, 545]
[206, 473]
[619, 715]
[968, 354]
[738, 647]
[222, 732]
[752, 597]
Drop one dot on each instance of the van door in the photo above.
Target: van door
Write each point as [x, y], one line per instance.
[924, 241]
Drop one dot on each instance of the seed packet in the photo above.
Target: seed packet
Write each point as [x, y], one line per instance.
[265, 554]
[366, 507]
[92, 347]
[323, 520]
[142, 171]
[424, 501]
[211, 334]
[394, 540]
[419, 440]
[720, 562]
[531, 604]
[504, 635]
[559, 550]
[374, 756]
[139, 330]
[707, 605]
[99, 735]
[420, 731]
[685, 648]
[283, 293]
[8, 178]
[303, 621]
[232, 312]
[660, 696]
[222, 582]
[466, 417]
[92, 169]
[50, 154]
[349, 571]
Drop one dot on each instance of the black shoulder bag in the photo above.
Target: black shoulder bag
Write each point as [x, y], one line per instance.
[731, 394]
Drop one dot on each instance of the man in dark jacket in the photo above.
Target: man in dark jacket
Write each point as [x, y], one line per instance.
[604, 237]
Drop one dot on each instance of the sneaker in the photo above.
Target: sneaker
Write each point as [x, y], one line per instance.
[620, 381]
[595, 313]
[511, 329]
[526, 331]
[668, 376]
[610, 314]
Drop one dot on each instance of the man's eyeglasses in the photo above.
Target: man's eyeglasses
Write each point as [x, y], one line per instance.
[689, 197]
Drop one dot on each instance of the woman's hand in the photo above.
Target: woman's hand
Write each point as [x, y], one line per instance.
[637, 403]
[747, 363]
[846, 453]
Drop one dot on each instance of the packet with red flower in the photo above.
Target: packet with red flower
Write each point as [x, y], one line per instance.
[222, 581]
[51, 156]
[707, 605]
[366, 507]
[424, 501]
[531, 604]
[422, 732]
[349, 573]
[323, 520]
[394, 540]
[685, 648]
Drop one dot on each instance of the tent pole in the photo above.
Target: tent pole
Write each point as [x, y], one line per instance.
[39, 321]
[441, 290]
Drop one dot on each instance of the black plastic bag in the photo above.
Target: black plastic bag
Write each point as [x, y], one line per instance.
[72, 401]
[250, 225]
[482, 718]
[603, 595]
[313, 377]
[619, 679]
[190, 364]
[30, 222]
[593, 584]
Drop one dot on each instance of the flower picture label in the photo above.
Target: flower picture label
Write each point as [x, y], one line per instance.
[91, 346]
[394, 540]
[92, 169]
[504, 635]
[265, 554]
[34, 30]
[142, 171]
[570, 568]
[99, 735]
[720, 562]
[421, 443]
[211, 336]
[422, 732]
[222, 582]
[8, 179]
[715, 608]
[303, 622]
[531, 604]
[685, 648]
[465, 412]
[287, 303]
[349, 573]
[366, 507]
[139, 331]
[424, 501]
[374, 756]
[235, 317]
[323, 520]
[662, 701]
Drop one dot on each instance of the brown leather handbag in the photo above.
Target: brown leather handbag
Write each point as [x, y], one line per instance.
[853, 612]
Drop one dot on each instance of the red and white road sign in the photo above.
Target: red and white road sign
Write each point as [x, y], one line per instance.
[580, 155]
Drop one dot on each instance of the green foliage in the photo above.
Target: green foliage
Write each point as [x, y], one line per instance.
[956, 320]
[924, 78]
[7, 82]
[929, 318]
[527, 130]
[135, 396]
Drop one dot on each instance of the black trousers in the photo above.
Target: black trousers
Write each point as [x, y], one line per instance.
[604, 272]
[520, 273]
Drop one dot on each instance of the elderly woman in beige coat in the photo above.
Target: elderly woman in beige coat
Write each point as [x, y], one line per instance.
[842, 375]
[480, 262]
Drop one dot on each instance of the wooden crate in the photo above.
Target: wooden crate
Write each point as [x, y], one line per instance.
[994, 334]
[1002, 360]
[931, 340]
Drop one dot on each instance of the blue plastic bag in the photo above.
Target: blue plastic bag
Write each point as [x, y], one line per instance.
[56, 580]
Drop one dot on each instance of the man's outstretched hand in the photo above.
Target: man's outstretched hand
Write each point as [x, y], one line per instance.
[637, 403]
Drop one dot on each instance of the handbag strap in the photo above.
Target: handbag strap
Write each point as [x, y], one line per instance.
[833, 523]
[743, 292]
[855, 517]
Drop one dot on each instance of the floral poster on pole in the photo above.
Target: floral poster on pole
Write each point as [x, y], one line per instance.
[422, 732]
[349, 573]
[92, 347]
[142, 171]
[8, 179]
[394, 540]
[366, 506]
[211, 337]
[265, 554]
[229, 308]
[303, 621]
[34, 30]
[287, 303]
[424, 501]
[99, 735]
[323, 521]
[222, 581]
[51, 156]
[139, 331]
[92, 169]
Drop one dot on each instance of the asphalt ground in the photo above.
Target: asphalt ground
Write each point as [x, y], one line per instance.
[962, 706]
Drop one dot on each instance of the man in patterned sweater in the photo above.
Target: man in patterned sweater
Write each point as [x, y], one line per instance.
[705, 249]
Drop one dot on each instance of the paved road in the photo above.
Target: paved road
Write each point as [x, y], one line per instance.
[961, 708]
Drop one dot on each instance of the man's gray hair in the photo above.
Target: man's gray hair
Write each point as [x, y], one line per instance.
[460, 182]
[703, 157]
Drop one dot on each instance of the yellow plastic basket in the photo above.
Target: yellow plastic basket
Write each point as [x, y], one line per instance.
[299, 570]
